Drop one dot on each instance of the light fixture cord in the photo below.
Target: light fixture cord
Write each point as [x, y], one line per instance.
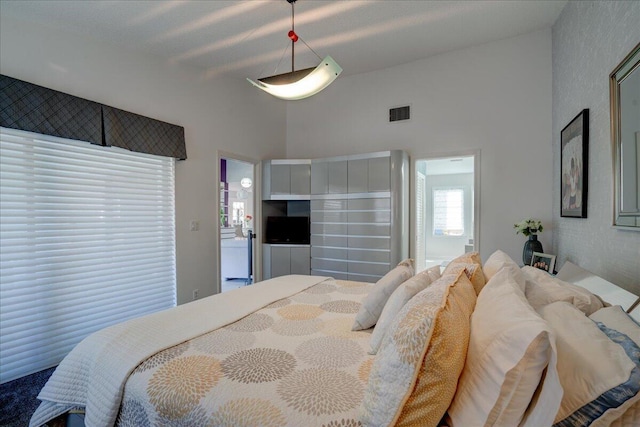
[293, 43]
[305, 43]
[284, 52]
[297, 37]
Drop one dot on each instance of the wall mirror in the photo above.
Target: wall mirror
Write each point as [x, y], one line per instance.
[624, 86]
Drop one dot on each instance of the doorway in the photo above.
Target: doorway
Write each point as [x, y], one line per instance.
[236, 211]
[445, 208]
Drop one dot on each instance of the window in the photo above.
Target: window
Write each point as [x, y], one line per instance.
[238, 212]
[87, 238]
[448, 212]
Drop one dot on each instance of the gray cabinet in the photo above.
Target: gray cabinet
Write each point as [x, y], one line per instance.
[337, 177]
[359, 209]
[329, 177]
[351, 174]
[280, 260]
[361, 232]
[280, 179]
[300, 179]
[379, 178]
[286, 179]
[369, 175]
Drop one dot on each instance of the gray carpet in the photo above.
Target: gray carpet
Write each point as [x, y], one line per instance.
[18, 398]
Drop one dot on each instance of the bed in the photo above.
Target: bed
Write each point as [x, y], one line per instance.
[413, 349]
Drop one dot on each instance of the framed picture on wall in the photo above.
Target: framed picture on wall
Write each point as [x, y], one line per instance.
[544, 262]
[574, 156]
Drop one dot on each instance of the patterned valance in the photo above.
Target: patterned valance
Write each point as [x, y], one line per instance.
[34, 108]
[142, 134]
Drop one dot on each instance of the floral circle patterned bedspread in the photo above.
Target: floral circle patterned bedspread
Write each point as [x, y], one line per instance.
[295, 362]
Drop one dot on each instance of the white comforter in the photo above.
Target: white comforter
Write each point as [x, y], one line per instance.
[94, 373]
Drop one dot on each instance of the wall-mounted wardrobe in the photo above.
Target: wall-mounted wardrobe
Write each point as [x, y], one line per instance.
[358, 211]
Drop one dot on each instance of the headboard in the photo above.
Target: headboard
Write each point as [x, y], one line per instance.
[609, 292]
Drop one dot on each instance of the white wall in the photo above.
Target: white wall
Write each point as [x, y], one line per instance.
[494, 97]
[589, 40]
[220, 114]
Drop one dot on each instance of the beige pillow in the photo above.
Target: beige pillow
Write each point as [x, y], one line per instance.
[434, 273]
[415, 373]
[468, 257]
[509, 348]
[599, 368]
[541, 289]
[614, 317]
[374, 302]
[397, 300]
[628, 417]
[473, 272]
[496, 262]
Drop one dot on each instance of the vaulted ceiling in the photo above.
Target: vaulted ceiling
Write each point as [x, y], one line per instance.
[249, 38]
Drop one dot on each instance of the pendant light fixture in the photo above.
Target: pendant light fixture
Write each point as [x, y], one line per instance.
[302, 83]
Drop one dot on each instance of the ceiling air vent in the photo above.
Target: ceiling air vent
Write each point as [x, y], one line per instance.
[399, 113]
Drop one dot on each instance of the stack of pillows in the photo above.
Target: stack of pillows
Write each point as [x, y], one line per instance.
[496, 345]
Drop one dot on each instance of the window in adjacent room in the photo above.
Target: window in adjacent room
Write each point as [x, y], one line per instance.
[448, 211]
[88, 240]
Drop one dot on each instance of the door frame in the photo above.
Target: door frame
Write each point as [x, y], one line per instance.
[257, 215]
[476, 193]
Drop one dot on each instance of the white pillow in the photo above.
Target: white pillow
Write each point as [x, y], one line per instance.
[397, 300]
[509, 348]
[541, 289]
[599, 368]
[374, 302]
[495, 262]
[614, 317]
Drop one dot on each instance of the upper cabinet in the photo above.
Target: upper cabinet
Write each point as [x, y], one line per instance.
[286, 179]
[329, 176]
[369, 175]
[298, 179]
[366, 173]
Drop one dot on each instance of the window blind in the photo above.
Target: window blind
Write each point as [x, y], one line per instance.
[448, 212]
[87, 240]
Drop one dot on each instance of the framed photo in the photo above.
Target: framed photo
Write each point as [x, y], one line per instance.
[574, 156]
[544, 262]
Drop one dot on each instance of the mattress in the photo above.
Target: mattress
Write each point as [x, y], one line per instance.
[295, 362]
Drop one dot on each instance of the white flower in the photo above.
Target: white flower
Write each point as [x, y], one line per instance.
[528, 226]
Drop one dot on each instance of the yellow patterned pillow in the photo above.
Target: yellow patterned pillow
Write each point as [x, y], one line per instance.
[472, 270]
[415, 373]
[469, 257]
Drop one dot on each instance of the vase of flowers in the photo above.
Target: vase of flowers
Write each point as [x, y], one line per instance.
[530, 228]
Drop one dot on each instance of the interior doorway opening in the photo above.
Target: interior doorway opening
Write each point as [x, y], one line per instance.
[445, 201]
[236, 210]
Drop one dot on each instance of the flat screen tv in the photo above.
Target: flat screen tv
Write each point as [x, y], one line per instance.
[288, 229]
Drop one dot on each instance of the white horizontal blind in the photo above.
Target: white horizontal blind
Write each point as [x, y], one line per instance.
[87, 240]
[448, 212]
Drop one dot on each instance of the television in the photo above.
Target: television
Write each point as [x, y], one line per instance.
[288, 229]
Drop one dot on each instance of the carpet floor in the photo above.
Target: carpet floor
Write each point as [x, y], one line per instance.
[18, 398]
